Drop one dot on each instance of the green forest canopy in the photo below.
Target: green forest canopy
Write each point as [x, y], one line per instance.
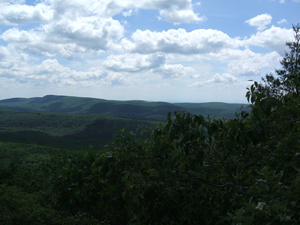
[189, 170]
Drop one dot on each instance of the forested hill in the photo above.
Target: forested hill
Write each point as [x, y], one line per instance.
[128, 109]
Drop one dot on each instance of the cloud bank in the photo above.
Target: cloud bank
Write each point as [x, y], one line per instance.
[62, 43]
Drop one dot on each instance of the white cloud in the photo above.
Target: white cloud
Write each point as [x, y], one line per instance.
[78, 27]
[248, 63]
[17, 14]
[134, 62]
[214, 46]
[51, 72]
[82, 43]
[15, 1]
[174, 71]
[176, 11]
[18, 36]
[35, 43]
[180, 16]
[9, 57]
[66, 38]
[273, 38]
[260, 21]
[92, 33]
[180, 41]
[152, 63]
[224, 78]
[129, 12]
[283, 21]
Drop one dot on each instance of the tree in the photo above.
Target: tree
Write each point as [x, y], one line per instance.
[195, 170]
[275, 119]
[288, 79]
[290, 73]
[188, 170]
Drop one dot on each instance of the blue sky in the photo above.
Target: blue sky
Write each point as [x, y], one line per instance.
[155, 50]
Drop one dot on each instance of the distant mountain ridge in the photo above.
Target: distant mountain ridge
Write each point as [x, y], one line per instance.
[126, 109]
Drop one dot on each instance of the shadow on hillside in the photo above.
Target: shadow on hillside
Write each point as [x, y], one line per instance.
[96, 135]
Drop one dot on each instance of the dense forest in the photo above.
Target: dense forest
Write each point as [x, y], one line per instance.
[189, 169]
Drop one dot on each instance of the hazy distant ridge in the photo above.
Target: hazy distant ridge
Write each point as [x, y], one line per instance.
[128, 109]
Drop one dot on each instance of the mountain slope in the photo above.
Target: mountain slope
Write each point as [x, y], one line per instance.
[126, 109]
[63, 130]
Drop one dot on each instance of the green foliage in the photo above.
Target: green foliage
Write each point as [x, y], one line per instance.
[188, 170]
[64, 131]
[150, 111]
[20, 207]
[287, 81]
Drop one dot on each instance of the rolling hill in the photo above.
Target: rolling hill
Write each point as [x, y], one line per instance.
[62, 130]
[75, 122]
[125, 109]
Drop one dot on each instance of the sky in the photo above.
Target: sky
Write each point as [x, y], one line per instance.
[153, 50]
